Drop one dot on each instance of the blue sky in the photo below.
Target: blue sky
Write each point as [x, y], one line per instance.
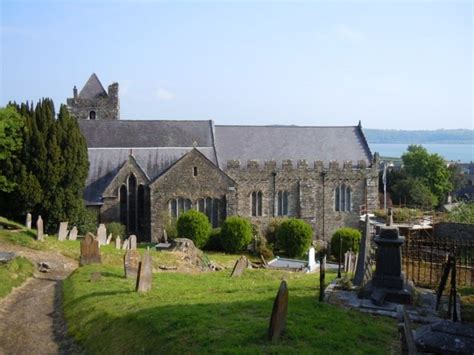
[402, 65]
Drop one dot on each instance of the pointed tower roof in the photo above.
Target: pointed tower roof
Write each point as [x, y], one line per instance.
[93, 88]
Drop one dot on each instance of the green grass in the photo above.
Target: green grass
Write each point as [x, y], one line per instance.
[14, 273]
[210, 312]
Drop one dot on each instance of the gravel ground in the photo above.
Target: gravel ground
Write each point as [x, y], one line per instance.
[31, 319]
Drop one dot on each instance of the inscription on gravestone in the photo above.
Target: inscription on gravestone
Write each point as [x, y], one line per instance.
[131, 260]
[39, 229]
[90, 252]
[145, 273]
[279, 312]
[62, 233]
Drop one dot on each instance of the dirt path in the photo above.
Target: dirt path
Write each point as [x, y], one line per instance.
[31, 320]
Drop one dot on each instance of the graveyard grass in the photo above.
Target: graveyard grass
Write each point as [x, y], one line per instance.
[14, 273]
[211, 312]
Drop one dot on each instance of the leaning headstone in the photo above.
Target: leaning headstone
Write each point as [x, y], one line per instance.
[133, 242]
[279, 312]
[62, 233]
[239, 267]
[118, 242]
[131, 260]
[90, 252]
[28, 220]
[311, 259]
[145, 273]
[109, 239]
[39, 229]
[102, 234]
[363, 260]
[125, 244]
[73, 233]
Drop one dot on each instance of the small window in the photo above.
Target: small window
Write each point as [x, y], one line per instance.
[195, 171]
[282, 203]
[92, 115]
[343, 198]
[257, 198]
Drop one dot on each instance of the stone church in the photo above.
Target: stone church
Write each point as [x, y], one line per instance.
[145, 173]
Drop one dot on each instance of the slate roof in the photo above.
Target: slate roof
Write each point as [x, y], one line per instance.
[134, 133]
[291, 142]
[106, 162]
[92, 89]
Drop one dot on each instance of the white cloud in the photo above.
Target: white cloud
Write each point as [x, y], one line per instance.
[164, 95]
[349, 34]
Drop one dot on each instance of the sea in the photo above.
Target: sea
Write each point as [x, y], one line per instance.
[461, 153]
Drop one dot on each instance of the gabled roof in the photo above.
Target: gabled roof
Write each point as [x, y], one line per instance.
[135, 133]
[92, 89]
[291, 142]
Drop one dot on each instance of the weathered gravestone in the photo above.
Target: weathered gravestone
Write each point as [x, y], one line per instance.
[102, 234]
[73, 233]
[363, 271]
[62, 233]
[279, 312]
[126, 244]
[118, 242]
[239, 267]
[90, 252]
[145, 273]
[28, 220]
[133, 242]
[109, 239]
[131, 259]
[39, 229]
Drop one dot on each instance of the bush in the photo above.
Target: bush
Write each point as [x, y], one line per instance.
[116, 229]
[400, 215]
[87, 221]
[294, 236]
[214, 241]
[264, 250]
[236, 234]
[194, 225]
[350, 240]
[463, 213]
[271, 232]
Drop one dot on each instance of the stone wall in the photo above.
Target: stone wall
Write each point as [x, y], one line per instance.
[106, 108]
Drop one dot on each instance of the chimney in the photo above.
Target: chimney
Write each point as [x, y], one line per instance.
[74, 92]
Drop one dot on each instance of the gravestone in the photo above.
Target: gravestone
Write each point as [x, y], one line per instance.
[28, 220]
[165, 236]
[125, 244]
[96, 276]
[131, 260]
[363, 268]
[39, 229]
[133, 242]
[145, 273]
[90, 252]
[73, 233]
[239, 267]
[312, 259]
[62, 233]
[109, 239]
[390, 217]
[279, 312]
[102, 234]
[118, 242]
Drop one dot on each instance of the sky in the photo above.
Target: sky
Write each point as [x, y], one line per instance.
[397, 65]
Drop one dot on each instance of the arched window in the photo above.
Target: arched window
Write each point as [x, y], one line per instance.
[343, 198]
[282, 203]
[123, 205]
[141, 211]
[92, 115]
[200, 205]
[215, 212]
[179, 205]
[257, 198]
[132, 204]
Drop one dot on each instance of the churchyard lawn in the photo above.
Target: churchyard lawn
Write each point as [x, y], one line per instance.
[14, 273]
[211, 312]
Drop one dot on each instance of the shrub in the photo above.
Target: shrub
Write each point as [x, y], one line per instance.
[264, 250]
[463, 213]
[214, 241]
[271, 232]
[87, 221]
[116, 229]
[400, 215]
[350, 240]
[236, 234]
[294, 236]
[194, 225]
[171, 229]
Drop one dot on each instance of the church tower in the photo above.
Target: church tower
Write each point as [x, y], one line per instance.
[94, 103]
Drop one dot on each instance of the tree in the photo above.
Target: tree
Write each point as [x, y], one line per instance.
[414, 192]
[194, 225]
[430, 169]
[11, 142]
[350, 240]
[236, 234]
[294, 236]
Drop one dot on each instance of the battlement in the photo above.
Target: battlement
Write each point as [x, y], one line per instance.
[301, 165]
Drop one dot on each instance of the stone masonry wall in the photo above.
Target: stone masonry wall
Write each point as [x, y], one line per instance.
[106, 108]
